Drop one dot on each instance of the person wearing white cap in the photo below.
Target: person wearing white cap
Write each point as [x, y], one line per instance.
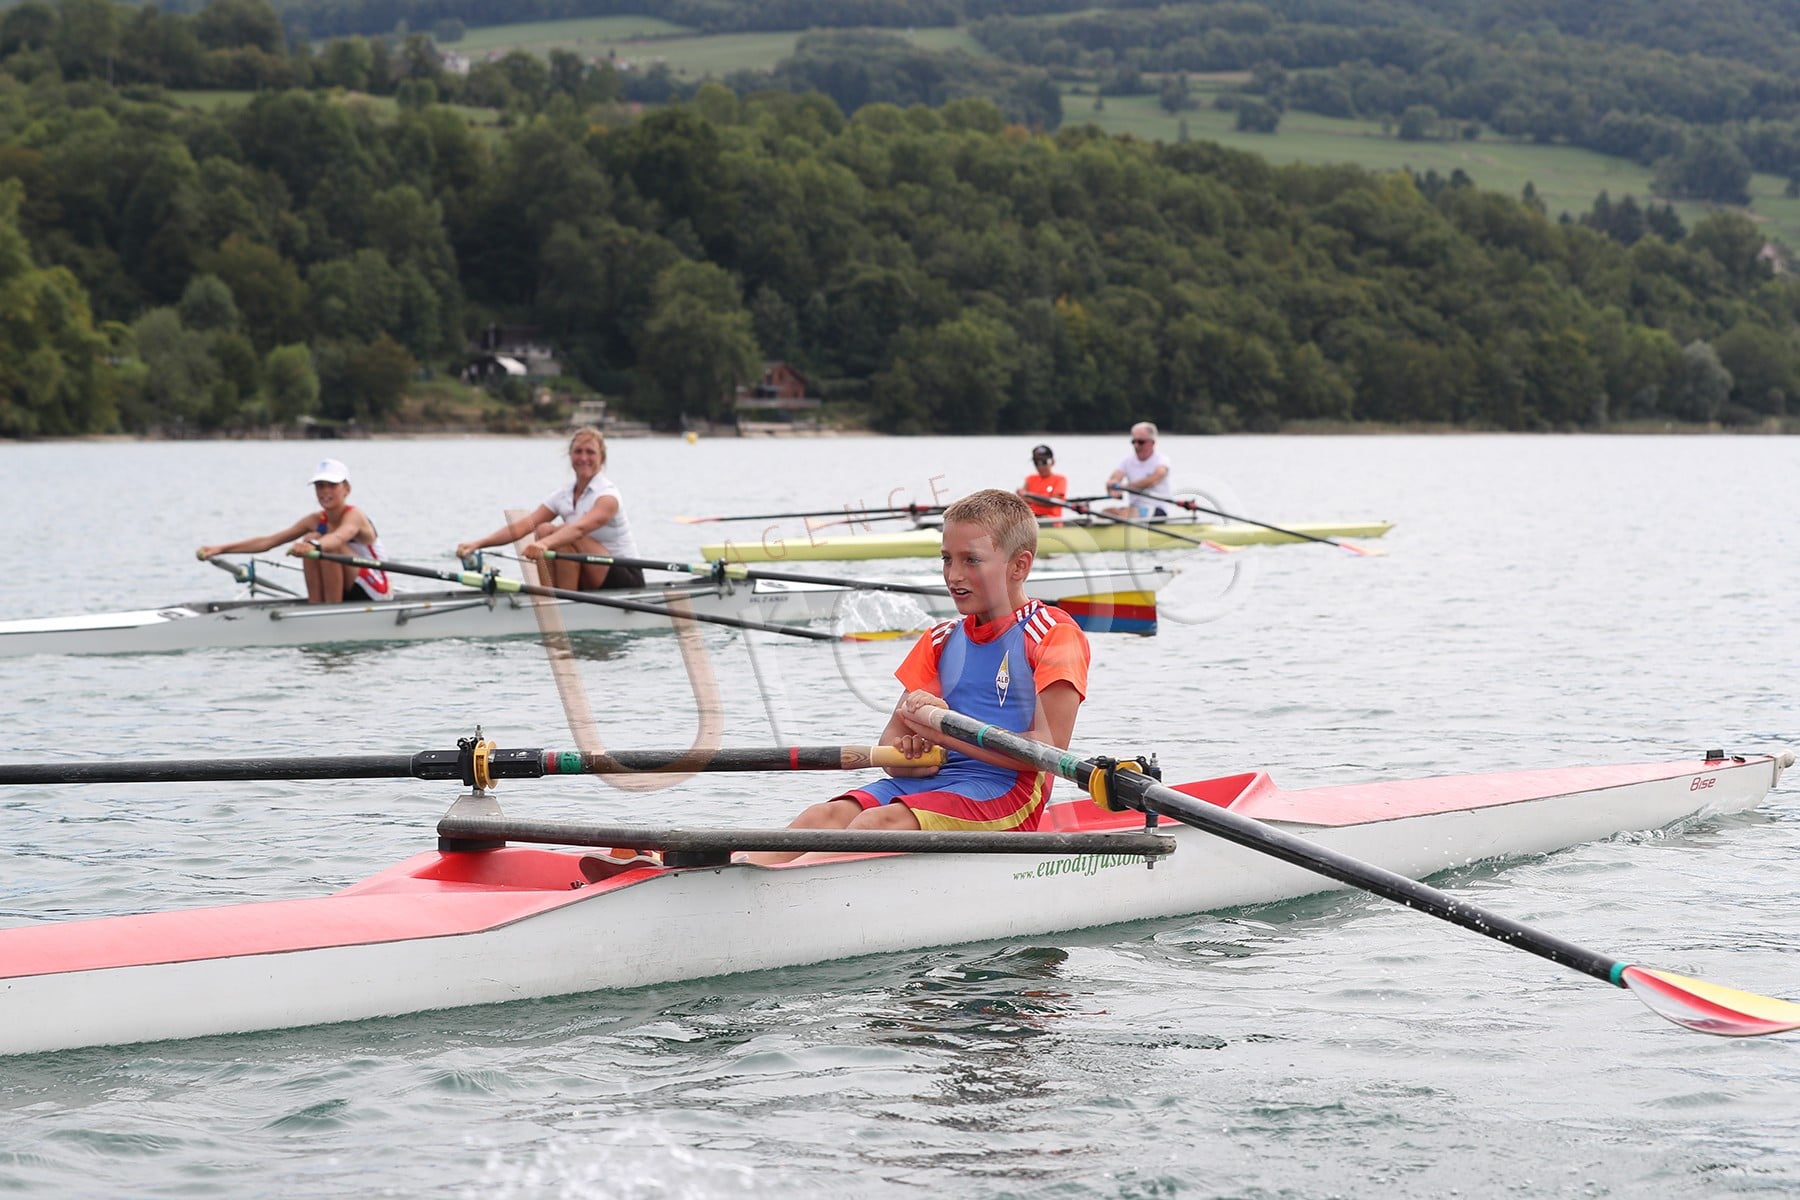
[585, 517]
[338, 527]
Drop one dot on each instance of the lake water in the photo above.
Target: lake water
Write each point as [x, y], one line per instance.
[1546, 602]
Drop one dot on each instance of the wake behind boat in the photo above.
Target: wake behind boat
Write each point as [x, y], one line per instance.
[478, 921]
[1102, 600]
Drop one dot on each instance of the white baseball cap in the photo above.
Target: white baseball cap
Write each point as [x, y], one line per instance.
[330, 470]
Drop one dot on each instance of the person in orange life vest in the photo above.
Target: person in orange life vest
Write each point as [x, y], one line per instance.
[1008, 661]
[338, 527]
[1044, 481]
[585, 517]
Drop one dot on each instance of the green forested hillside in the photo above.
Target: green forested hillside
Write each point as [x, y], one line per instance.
[165, 265]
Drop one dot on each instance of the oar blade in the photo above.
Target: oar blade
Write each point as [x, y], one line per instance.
[694, 520]
[1366, 551]
[1710, 1007]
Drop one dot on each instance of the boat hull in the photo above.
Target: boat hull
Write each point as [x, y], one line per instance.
[1067, 539]
[1104, 600]
[446, 930]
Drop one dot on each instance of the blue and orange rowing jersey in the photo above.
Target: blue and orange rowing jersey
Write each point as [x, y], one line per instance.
[993, 673]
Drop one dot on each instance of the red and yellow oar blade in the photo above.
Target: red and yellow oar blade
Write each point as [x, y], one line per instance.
[1709, 1007]
[1367, 551]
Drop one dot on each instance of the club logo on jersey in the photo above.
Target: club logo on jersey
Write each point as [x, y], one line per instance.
[1002, 681]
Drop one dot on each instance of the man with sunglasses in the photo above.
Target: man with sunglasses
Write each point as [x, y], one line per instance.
[1044, 481]
[1145, 469]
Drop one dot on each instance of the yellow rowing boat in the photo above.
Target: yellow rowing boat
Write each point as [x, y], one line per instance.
[1067, 539]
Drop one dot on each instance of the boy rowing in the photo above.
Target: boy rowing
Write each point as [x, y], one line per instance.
[1014, 663]
[337, 527]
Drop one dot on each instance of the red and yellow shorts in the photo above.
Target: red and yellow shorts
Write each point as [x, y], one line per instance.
[937, 807]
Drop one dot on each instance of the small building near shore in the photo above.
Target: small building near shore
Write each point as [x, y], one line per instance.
[510, 351]
[777, 403]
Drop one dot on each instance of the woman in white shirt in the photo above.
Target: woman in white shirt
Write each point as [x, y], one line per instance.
[585, 517]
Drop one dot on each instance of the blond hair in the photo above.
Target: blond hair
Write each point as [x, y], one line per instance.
[589, 431]
[1007, 518]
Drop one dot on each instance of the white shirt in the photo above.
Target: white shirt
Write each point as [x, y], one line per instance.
[1134, 468]
[615, 535]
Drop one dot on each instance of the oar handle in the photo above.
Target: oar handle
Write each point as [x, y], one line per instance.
[1141, 792]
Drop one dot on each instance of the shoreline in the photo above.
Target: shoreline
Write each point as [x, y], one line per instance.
[1773, 427]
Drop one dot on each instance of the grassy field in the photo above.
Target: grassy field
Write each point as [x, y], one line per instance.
[649, 40]
[718, 54]
[586, 35]
[1566, 178]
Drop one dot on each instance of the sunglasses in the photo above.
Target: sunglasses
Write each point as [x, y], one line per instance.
[1043, 460]
[1143, 441]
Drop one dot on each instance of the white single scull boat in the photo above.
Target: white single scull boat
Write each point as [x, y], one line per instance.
[457, 927]
[1101, 600]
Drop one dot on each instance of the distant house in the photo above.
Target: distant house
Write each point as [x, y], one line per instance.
[510, 351]
[776, 402]
[588, 412]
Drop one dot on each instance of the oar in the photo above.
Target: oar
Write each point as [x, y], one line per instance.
[905, 510]
[1081, 507]
[491, 583]
[1352, 547]
[722, 570]
[1693, 1003]
[461, 764]
[246, 573]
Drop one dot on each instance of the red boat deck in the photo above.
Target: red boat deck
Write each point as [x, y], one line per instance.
[428, 895]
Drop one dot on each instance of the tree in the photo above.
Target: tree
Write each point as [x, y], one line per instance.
[1764, 367]
[268, 290]
[290, 384]
[237, 24]
[346, 63]
[181, 373]
[1704, 385]
[1707, 168]
[1257, 116]
[952, 378]
[86, 40]
[696, 345]
[1176, 95]
[54, 377]
[1418, 123]
[206, 304]
[364, 382]
[30, 25]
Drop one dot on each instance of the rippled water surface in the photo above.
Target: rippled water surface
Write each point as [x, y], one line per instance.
[1546, 602]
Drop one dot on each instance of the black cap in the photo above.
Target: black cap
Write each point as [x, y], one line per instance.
[1042, 452]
